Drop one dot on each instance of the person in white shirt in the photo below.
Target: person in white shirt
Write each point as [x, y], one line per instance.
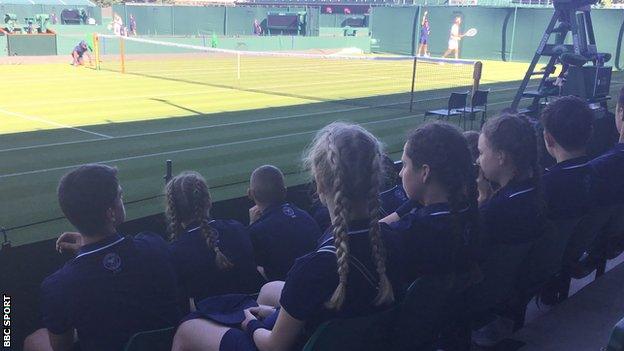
[454, 38]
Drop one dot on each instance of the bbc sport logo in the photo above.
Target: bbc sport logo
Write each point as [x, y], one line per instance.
[6, 321]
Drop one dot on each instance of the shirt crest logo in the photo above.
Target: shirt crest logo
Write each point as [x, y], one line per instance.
[112, 262]
[288, 211]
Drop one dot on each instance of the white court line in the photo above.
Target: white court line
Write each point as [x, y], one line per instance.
[199, 128]
[225, 89]
[205, 147]
[230, 124]
[211, 146]
[37, 119]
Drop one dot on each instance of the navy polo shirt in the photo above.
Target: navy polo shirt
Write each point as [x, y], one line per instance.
[609, 170]
[283, 233]
[408, 207]
[512, 216]
[80, 50]
[195, 265]
[392, 199]
[430, 243]
[568, 188]
[424, 34]
[111, 290]
[313, 279]
[320, 213]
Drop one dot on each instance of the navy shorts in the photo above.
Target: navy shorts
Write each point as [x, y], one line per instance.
[236, 340]
[424, 41]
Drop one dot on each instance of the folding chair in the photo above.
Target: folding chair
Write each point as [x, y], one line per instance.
[152, 340]
[456, 107]
[478, 103]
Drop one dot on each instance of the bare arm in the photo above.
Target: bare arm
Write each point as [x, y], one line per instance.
[391, 218]
[283, 336]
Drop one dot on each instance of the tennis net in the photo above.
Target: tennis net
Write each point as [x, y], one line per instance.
[343, 76]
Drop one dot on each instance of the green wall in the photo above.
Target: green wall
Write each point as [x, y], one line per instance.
[31, 45]
[335, 19]
[339, 32]
[3, 46]
[197, 20]
[394, 29]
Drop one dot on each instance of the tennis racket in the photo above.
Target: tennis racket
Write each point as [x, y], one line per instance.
[471, 32]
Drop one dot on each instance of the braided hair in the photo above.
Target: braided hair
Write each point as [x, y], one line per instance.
[188, 200]
[346, 162]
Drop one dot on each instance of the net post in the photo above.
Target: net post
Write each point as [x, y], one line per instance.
[168, 171]
[96, 49]
[122, 53]
[238, 65]
[476, 77]
[413, 84]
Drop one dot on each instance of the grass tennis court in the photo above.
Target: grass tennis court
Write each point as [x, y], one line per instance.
[55, 117]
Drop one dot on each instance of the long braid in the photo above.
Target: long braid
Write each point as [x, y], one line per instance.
[212, 241]
[175, 226]
[202, 204]
[341, 230]
[188, 201]
[343, 159]
[385, 295]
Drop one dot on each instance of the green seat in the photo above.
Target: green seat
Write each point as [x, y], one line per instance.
[429, 307]
[353, 334]
[616, 341]
[152, 340]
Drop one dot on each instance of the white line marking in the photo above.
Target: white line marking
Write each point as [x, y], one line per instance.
[218, 145]
[37, 119]
[231, 124]
[201, 127]
[205, 147]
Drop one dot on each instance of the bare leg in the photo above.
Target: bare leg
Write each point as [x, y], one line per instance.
[198, 334]
[270, 293]
[38, 341]
[456, 54]
[446, 53]
[426, 49]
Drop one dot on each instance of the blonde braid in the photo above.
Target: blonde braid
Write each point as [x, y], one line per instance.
[175, 226]
[340, 229]
[212, 238]
[201, 202]
[385, 295]
[341, 241]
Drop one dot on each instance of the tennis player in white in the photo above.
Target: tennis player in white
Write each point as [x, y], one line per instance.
[454, 38]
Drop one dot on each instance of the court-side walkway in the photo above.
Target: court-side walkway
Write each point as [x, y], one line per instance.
[584, 321]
